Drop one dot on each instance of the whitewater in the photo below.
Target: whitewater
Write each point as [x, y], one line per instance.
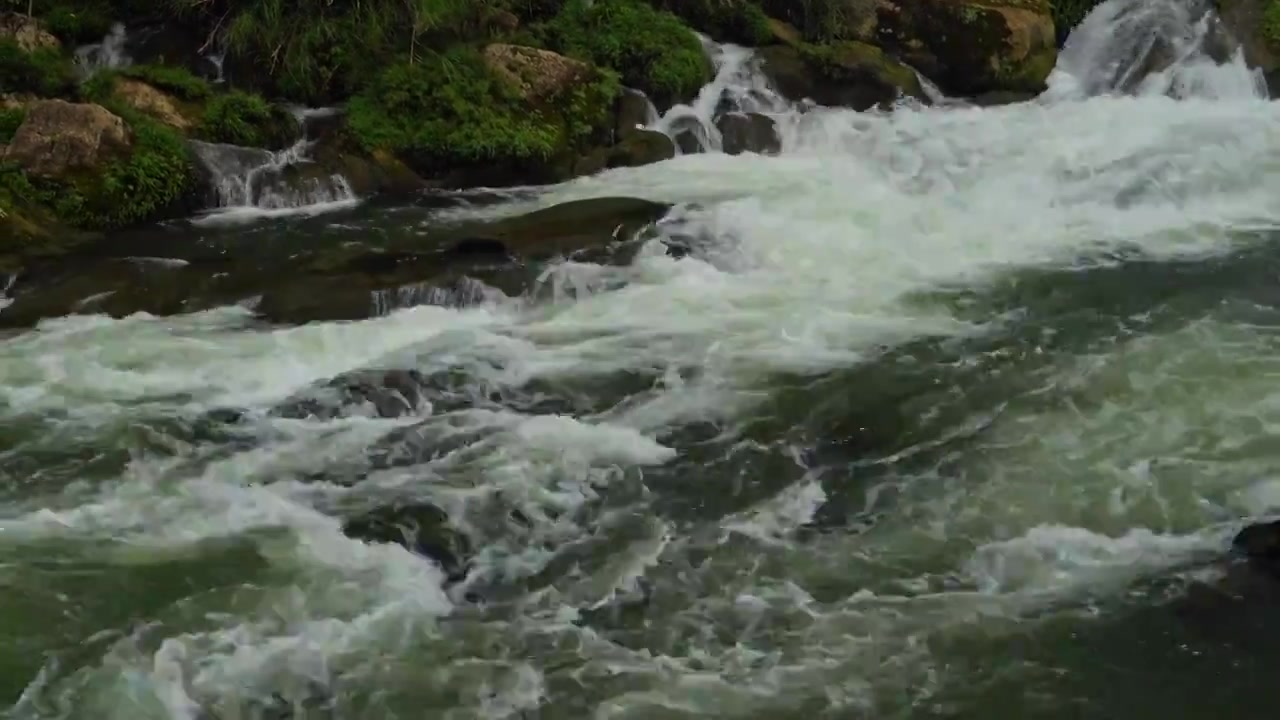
[947, 412]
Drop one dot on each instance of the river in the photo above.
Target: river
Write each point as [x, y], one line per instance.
[950, 413]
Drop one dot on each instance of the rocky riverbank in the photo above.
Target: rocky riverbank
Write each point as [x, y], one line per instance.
[486, 93]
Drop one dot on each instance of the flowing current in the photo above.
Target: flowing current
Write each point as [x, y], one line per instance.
[946, 413]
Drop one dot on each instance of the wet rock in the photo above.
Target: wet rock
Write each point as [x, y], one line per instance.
[1260, 543]
[749, 132]
[850, 74]
[58, 138]
[565, 229]
[388, 393]
[633, 112]
[974, 47]
[118, 287]
[1244, 20]
[358, 297]
[421, 528]
[26, 32]
[146, 98]
[641, 147]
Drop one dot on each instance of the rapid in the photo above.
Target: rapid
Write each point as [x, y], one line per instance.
[947, 412]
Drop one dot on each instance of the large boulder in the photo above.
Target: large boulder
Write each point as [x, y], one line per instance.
[848, 74]
[26, 32]
[59, 138]
[970, 47]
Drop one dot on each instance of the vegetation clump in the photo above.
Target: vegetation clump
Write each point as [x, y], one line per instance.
[178, 81]
[737, 21]
[44, 72]
[241, 118]
[473, 117]
[651, 49]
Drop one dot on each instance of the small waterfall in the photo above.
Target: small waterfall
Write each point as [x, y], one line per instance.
[252, 182]
[107, 54]
[5, 286]
[1177, 48]
[738, 86]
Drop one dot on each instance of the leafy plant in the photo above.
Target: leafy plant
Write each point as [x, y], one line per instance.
[651, 49]
[44, 72]
[449, 111]
[155, 175]
[175, 80]
[738, 21]
[241, 118]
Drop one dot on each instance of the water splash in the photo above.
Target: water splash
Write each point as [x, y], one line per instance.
[105, 55]
[739, 85]
[1171, 48]
[253, 183]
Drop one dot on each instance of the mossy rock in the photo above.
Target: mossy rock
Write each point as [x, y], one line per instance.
[826, 20]
[970, 48]
[483, 126]
[95, 169]
[848, 74]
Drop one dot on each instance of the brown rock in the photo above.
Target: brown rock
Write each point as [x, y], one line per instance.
[538, 74]
[145, 98]
[26, 32]
[58, 137]
[972, 46]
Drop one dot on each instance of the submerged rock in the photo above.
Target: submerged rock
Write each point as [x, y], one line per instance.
[59, 138]
[387, 393]
[749, 132]
[419, 527]
[565, 229]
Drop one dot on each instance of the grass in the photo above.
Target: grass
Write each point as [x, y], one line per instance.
[177, 81]
[241, 118]
[651, 50]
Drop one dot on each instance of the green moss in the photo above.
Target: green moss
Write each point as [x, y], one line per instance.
[10, 120]
[155, 175]
[737, 21]
[136, 188]
[241, 118]
[177, 81]
[448, 111]
[321, 51]
[651, 49]
[853, 60]
[826, 20]
[44, 72]
[1271, 24]
[1030, 74]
